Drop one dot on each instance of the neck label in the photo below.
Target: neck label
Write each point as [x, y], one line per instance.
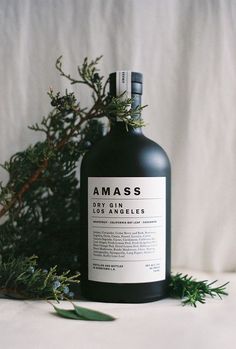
[123, 86]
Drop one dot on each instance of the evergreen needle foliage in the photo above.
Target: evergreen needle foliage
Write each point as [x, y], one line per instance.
[192, 291]
[39, 205]
[20, 278]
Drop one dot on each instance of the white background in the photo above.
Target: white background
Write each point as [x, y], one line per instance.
[187, 53]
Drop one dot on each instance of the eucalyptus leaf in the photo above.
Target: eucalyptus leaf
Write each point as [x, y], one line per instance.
[69, 314]
[92, 315]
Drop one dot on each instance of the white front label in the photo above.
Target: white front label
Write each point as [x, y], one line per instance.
[126, 229]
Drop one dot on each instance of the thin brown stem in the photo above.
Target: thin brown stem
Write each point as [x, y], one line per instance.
[18, 197]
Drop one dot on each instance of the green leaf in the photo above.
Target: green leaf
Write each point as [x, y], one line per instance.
[92, 315]
[80, 313]
[69, 314]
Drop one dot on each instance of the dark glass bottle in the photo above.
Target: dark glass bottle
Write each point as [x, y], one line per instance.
[125, 211]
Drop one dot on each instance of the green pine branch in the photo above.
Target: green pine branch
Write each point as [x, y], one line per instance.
[39, 205]
[192, 291]
[64, 125]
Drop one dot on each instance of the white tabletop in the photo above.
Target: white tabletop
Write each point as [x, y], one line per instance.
[163, 324]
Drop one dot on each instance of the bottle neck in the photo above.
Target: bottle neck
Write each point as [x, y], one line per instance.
[136, 101]
[119, 127]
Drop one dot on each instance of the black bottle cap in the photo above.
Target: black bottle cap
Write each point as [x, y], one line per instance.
[121, 81]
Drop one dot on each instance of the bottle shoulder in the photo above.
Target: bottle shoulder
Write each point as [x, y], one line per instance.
[131, 152]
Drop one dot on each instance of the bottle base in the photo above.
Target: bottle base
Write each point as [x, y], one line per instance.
[127, 301]
[124, 293]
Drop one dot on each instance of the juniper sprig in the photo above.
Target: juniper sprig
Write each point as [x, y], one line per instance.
[21, 278]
